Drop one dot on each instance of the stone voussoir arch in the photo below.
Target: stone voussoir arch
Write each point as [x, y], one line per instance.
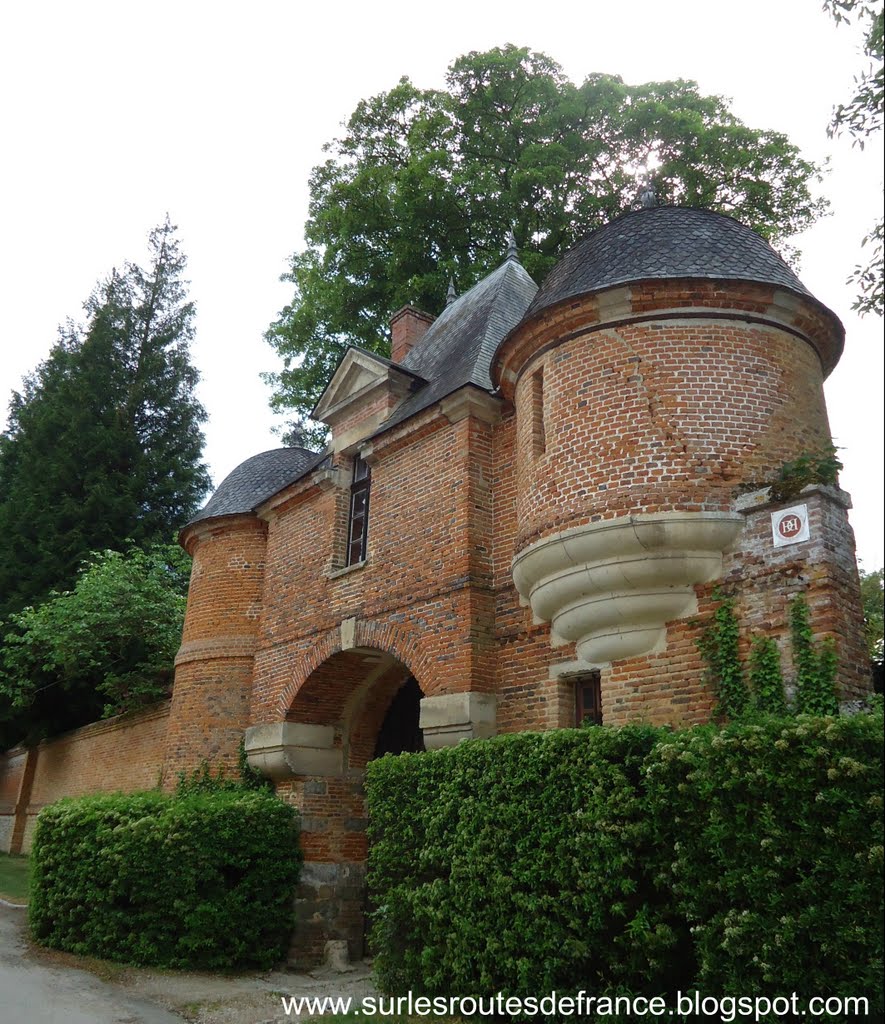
[401, 642]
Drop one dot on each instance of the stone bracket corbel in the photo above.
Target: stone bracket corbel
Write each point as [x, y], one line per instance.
[282, 750]
[451, 717]
[469, 401]
[612, 586]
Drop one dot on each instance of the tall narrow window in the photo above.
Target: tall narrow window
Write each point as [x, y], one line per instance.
[539, 436]
[358, 526]
[588, 699]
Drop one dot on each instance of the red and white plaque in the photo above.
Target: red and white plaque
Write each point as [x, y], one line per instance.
[790, 525]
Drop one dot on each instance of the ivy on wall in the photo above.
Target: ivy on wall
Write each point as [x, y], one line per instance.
[815, 665]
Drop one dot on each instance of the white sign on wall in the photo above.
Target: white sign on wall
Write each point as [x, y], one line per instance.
[790, 525]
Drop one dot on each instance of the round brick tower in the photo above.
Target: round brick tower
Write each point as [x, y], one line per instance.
[214, 666]
[670, 358]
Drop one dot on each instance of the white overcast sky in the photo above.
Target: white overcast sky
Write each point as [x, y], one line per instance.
[113, 113]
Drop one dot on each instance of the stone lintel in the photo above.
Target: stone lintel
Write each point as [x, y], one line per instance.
[451, 717]
[280, 750]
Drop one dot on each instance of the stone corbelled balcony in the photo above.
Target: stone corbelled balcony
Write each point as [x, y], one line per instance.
[612, 586]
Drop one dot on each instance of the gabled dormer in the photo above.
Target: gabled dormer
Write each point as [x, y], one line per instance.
[363, 392]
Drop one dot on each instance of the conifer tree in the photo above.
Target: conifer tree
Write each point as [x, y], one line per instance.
[103, 446]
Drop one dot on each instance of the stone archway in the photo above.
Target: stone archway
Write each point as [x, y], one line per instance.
[355, 705]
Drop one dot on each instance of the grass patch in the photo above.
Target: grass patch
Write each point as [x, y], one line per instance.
[14, 878]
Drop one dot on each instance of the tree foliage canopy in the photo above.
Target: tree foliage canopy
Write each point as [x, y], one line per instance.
[861, 117]
[872, 592]
[104, 647]
[104, 441]
[424, 184]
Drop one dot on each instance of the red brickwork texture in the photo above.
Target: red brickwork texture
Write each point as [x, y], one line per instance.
[213, 677]
[407, 326]
[121, 754]
[663, 416]
[667, 396]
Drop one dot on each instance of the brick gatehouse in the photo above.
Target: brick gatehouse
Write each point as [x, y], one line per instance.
[518, 524]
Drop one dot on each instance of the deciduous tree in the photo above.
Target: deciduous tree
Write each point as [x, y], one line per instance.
[423, 186]
[104, 647]
[861, 117]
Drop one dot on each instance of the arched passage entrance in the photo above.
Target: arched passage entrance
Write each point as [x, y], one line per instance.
[356, 705]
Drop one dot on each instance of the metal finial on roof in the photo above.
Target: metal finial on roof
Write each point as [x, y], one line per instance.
[648, 197]
[511, 244]
[451, 294]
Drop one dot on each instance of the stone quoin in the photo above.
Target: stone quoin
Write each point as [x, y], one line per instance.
[518, 523]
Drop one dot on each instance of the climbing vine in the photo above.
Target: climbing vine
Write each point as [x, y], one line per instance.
[718, 645]
[766, 677]
[205, 779]
[815, 664]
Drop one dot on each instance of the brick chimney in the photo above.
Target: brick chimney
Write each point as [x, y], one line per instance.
[407, 327]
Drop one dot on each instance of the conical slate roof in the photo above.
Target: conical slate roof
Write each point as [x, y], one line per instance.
[458, 346]
[256, 480]
[665, 242]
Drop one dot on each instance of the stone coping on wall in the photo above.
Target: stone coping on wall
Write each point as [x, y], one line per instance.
[753, 501]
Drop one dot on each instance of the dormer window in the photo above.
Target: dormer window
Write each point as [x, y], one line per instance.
[358, 523]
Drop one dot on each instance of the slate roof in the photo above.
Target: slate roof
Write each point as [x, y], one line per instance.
[664, 242]
[258, 479]
[458, 346]
[457, 350]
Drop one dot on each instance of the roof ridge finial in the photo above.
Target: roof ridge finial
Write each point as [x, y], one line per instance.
[451, 294]
[647, 197]
[510, 238]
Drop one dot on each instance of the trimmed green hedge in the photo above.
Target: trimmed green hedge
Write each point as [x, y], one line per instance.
[776, 831]
[520, 865]
[741, 861]
[203, 880]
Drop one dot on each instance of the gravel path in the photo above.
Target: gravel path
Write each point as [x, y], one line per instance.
[40, 986]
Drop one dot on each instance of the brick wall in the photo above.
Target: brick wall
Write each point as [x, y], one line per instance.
[424, 593]
[663, 416]
[765, 580]
[120, 754]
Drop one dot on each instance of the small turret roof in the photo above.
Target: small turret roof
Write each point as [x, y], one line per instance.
[665, 242]
[256, 480]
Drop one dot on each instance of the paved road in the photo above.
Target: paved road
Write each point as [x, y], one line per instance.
[32, 992]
